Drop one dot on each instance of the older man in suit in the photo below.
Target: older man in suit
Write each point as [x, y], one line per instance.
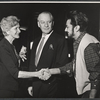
[48, 51]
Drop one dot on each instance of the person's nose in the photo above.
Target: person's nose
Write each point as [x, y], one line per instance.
[46, 24]
[19, 30]
[66, 29]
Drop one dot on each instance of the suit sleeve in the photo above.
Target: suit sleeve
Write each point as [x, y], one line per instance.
[62, 53]
[7, 60]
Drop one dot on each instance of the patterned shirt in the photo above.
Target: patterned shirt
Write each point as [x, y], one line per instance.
[92, 59]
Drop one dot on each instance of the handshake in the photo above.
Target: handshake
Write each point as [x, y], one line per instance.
[44, 74]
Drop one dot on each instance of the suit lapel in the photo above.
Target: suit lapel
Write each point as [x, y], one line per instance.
[47, 44]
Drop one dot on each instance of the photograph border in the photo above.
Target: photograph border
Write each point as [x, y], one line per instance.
[50, 1]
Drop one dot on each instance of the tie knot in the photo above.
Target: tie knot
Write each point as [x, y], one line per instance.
[43, 37]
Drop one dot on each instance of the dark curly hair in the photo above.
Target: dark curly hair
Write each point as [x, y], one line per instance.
[78, 18]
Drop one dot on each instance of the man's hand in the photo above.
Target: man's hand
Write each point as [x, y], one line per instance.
[92, 93]
[44, 74]
[22, 53]
[30, 91]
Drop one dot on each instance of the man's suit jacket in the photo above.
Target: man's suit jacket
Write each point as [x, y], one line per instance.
[8, 67]
[54, 54]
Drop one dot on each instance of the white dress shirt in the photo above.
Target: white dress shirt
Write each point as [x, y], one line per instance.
[45, 40]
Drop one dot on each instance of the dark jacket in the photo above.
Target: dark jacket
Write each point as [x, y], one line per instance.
[8, 67]
[54, 54]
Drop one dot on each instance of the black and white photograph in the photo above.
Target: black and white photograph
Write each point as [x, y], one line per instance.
[49, 49]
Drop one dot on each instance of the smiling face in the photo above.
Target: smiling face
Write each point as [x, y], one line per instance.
[45, 23]
[69, 28]
[14, 31]
[10, 27]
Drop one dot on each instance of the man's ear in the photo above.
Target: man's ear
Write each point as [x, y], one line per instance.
[38, 24]
[77, 28]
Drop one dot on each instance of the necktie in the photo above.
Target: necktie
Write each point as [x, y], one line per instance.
[38, 52]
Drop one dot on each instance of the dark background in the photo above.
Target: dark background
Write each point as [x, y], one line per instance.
[28, 12]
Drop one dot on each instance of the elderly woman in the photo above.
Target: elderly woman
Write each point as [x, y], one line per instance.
[9, 59]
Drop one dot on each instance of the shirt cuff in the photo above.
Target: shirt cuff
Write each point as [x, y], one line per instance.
[63, 70]
[95, 84]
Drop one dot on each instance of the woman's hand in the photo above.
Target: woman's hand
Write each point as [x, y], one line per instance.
[22, 53]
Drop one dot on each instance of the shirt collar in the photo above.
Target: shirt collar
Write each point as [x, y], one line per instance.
[80, 37]
[47, 35]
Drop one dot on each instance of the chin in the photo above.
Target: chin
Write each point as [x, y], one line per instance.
[17, 37]
[47, 31]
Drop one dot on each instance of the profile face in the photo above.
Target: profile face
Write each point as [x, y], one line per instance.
[69, 28]
[45, 23]
[15, 31]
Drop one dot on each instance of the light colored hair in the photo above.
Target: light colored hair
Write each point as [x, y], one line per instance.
[45, 13]
[7, 23]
